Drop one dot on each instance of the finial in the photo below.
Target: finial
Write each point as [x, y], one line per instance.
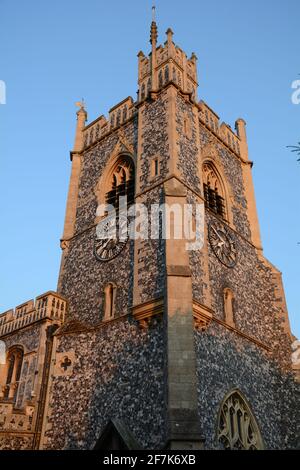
[153, 31]
[169, 34]
[153, 12]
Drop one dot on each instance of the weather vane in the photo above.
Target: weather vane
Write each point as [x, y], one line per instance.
[80, 104]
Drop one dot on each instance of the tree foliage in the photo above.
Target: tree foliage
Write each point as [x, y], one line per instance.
[296, 149]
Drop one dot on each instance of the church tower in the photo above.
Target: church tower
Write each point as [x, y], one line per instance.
[163, 347]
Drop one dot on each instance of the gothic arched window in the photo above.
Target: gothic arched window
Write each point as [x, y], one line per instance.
[121, 183]
[237, 427]
[213, 191]
[109, 301]
[14, 367]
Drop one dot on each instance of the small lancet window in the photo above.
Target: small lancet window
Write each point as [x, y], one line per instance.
[174, 75]
[160, 79]
[109, 301]
[148, 87]
[228, 299]
[237, 426]
[166, 74]
[112, 120]
[155, 167]
[213, 192]
[124, 113]
[118, 122]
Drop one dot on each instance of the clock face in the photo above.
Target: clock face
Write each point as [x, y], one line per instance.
[222, 243]
[113, 239]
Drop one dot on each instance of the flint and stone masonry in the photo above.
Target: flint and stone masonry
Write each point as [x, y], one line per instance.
[155, 347]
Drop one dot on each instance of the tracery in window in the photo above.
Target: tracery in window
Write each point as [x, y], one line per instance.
[213, 191]
[14, 367]
[121, 183]
[237, 427]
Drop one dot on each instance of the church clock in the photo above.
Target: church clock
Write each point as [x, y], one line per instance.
[222, 243]
[114, 236]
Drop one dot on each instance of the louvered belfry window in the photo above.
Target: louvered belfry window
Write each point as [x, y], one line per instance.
[122, 184]
[213, 191]
[213, 200]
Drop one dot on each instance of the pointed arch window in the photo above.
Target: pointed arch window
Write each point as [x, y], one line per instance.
[213, 191]
[110, 291]
[237, 426]
[14, 367]
[122, 182]
[228, 299]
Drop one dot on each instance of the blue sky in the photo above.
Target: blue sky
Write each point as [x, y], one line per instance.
[54, 53]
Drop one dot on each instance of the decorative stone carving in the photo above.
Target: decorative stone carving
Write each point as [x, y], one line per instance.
[202, 316]
[145, 313]
[237, 427]
[64, 244]
[64, 363]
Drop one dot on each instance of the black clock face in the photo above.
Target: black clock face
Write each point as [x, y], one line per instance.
[222, 243]
[110, 246]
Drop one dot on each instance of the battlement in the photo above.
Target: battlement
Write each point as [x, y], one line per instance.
[49, 305]
[118, 115]
[166, 63]
[212, 121]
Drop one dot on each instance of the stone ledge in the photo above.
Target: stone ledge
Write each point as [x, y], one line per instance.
[202, 316]
[146, 312]
[177, 270]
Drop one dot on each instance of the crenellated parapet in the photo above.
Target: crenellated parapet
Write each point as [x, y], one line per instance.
[46, 306]
[100, 127]
[222, 130]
